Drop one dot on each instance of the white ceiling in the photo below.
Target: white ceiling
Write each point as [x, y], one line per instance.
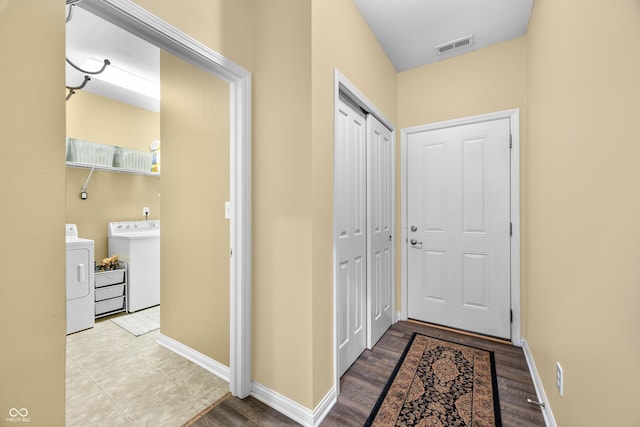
[409, 30]
[91, 37]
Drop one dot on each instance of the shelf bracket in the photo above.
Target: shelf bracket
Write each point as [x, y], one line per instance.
[83, 192]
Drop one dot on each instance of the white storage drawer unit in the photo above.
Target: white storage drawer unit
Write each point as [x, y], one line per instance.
[110, 306]
[106, 278]
[110, 292]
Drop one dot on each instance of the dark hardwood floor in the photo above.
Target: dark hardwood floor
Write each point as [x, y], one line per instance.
[363, 382]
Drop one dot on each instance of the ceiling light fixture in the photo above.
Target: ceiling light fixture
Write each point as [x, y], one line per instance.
[124, 79]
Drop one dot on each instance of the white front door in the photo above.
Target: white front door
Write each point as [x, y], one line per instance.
[458, 199]
[350, 228]
[380, 152]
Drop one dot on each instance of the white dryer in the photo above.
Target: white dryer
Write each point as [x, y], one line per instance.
[80, 273]
[137, 243]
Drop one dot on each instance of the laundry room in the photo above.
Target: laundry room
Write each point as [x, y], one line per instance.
[113, 212]
[192, 179]
[92, 202]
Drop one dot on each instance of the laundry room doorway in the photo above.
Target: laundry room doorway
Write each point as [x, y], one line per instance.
[185, 220]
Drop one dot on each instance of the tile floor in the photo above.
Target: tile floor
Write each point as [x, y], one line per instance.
[117, 379]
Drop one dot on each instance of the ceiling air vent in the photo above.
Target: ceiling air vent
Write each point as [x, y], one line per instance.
[454, 44]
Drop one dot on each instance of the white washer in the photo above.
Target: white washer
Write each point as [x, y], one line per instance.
[80, 273]
[138, 244]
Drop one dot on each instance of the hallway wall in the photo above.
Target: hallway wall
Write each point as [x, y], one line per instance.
[583, 207]
[194, 287]
[282, 216]
[194, 118]
[484, 81]
[32, 173]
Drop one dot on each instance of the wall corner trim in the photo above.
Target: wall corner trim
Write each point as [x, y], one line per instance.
[205, 362]
[294, 410]
[537, 382]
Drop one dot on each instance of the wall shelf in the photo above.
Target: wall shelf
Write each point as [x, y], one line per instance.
[111, 169]
[92, 168]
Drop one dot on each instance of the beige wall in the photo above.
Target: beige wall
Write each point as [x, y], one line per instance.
[340, 39]
[98, 119]
[111, 196]
[195, 174]
[484, 81]
[282, 335]
[32, 288]
[583, 207]
[226, 26]
[195, 234]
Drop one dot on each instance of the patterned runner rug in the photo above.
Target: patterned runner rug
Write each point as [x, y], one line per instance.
[440, 384]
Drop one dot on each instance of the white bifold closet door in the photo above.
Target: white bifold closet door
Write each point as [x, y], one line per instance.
[380, 228]
[364, 255]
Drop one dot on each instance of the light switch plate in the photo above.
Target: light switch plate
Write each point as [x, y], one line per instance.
[560, 378]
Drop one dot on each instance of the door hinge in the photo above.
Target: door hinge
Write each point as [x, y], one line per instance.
[510, 141]
[510, 229]
[230, 253]
[511, 315]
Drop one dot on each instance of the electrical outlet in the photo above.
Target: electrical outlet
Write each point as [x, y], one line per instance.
[559, 378]
[145, 211]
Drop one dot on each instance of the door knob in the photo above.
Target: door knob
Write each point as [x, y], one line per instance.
[415, 242]
[414, 228]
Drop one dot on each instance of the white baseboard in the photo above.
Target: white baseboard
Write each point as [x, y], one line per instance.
[537, 382]
[280, 403]
[324, 406]
[294, 410]
[205, 362]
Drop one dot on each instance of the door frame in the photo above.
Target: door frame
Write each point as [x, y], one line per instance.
[131, 17]
[514, 120]
[348, 89]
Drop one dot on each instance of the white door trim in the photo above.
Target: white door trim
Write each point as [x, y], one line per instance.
[131, 17]
[344, 86]
[514, 120]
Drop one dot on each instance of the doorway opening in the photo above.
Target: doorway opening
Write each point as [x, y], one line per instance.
[145, 25]
[411, 233]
